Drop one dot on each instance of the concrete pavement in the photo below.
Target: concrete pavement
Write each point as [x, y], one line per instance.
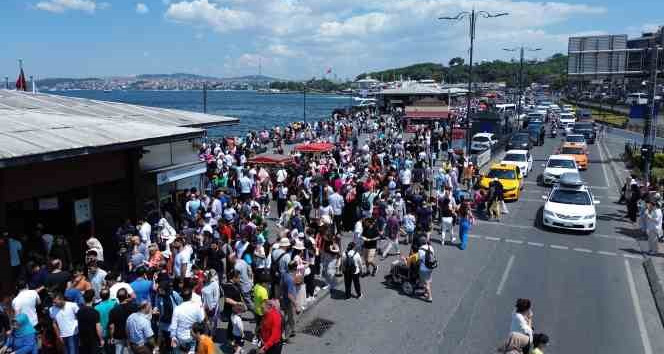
[590, 292]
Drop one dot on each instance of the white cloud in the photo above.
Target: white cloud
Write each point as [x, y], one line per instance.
[141, 8]
[354, 36]
[221, 19]
[61, 6]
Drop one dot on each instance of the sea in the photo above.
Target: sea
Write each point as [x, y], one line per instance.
[255, 110]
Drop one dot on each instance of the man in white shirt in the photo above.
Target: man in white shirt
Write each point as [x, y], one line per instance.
[337, 203]
[145, 231]
[26, 302]
[182, 261]
[245, 187]
[351, 264]
[281, 175]
[63, 314]
[184, 317]
[114, 285]
[405, 176]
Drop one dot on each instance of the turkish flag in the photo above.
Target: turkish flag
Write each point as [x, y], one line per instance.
[21, 84]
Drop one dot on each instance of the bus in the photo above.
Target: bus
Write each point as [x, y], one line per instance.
[637, 98]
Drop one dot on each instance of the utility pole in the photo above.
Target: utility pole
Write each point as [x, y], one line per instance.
[472, 16]
[304, 96]
[650, 129]
[521, 50]
[205, 97]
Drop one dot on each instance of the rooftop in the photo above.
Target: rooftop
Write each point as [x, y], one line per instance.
[41, 127]
[47, 103]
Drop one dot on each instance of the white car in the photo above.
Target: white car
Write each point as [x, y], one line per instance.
[570, 205]
[522, 158]
[482, 141]
[568, 108]
[555, 166]
[578, 139]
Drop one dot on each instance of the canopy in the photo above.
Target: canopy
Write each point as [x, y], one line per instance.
[314, 147]
[271, 159]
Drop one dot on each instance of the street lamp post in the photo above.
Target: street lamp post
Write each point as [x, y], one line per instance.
[472, 16]
[521, 50]
[304, 97]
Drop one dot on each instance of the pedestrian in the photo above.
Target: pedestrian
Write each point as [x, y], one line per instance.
[260, 296]
[632, 202]
[289, 300]
[370, 243]
[351, 264]
[653, 221]
[204, 343]
[495, 199]
[23, 337]
[117, 321]
[392, 235]
[447, 214]
[140, 336]
[184, 317]
[270, 334]
[104, 309]
[63, 314]
[237, 339]
[466, 220]
[427, 263]
[26, 302]
[90, 334]
[522, 318]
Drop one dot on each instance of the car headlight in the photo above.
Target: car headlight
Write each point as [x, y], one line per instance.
[549, 213]
[509, 189]
[547, 174]
[590, 216]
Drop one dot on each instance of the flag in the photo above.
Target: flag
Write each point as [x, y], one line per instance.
[328, 71]
[21, 84]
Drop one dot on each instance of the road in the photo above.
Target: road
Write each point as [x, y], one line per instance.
[590, 292]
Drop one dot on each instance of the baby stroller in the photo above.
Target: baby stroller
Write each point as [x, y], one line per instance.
[403, 277]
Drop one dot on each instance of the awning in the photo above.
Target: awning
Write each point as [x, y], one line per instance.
[314, 147]
[271, 159]
[429, 114]
[176, 173]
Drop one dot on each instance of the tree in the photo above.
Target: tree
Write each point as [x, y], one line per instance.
[456, 61]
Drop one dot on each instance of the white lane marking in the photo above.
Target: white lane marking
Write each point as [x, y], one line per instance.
[513, 241]
[527, 227]
[604, 161]
[558, 247]
[505, 275]
[536, 184]
[537, 244]
[584, 250]
[623, 238]
[633, 256]
[473, 236]
[607, 253]
[491, 238]
[647, 349]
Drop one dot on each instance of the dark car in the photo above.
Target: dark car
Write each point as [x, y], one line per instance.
[537, 133]
[519, 141]
[587, 129]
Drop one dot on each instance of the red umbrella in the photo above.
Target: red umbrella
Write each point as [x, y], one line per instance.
[314, 147]
[271, 159]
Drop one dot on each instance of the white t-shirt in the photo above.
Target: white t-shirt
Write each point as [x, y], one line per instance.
[26, 302]
[281, 175]
[182, 258]
[65, 317]
[184, 316]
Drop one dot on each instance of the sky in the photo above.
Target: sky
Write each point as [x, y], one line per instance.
[291, 39]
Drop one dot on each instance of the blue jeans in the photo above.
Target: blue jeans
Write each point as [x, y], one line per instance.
[464, 228]
[71, 344]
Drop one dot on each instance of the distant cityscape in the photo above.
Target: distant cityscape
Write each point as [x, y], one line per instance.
[155, 82]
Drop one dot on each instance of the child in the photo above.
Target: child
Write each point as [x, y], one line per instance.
[238, 329]
[204, 344]
[540, 341]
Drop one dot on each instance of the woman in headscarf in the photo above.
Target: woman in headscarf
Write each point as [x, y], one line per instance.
[23, 338]
[514, 344]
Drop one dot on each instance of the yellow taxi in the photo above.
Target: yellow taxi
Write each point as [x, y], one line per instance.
[578, 151]
[509, 176]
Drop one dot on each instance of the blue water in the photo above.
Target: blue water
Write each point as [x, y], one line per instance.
[254, 110]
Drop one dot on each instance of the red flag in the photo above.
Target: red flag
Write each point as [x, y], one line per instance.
[21, 84]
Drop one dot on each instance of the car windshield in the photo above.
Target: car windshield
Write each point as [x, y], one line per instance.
[572, 151]
[559, 163]
[481, 139]
[515, 157]
[520, 138]
[502, 174]
[585, 126]
[564, 196]
[575, 139]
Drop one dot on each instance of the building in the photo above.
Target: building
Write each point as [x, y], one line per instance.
[82, 167]
[612, 64]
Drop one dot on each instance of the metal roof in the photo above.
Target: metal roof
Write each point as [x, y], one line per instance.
[111, 111]
[27, 136]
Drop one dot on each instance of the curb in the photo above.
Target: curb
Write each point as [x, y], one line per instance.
[656, 286]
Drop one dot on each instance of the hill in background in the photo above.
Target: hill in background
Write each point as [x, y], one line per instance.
[550, 71]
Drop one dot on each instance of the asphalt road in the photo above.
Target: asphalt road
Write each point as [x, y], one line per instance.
[590, 292]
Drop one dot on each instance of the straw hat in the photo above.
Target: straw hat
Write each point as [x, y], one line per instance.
[284, 242]
[299, 245]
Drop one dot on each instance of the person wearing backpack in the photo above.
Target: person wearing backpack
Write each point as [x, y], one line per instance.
[428, 263]
[351, 264]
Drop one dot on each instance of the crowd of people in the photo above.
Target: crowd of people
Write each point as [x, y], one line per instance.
[256, 246]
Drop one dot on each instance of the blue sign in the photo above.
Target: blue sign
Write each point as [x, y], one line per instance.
[638, 111]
